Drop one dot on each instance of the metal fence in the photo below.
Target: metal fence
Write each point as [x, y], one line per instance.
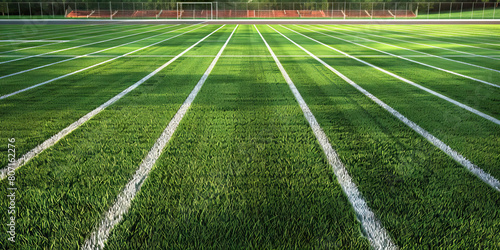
[327, 10]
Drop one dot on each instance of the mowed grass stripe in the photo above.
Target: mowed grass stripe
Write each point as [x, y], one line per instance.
[67, 195]
[410, 60]
[484, 176]
[79, 46]
[375, 232]
[37, 29]
[114, 215]
[54, 139]
[73, 97]
[74, 37]
[99, 51]
[459, 104]
[429, 43]
[422, 196]
[243, 170]
[405, 56]
[100, 63]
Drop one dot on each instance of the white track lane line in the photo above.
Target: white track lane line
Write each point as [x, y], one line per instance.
[83, 45]
[55, 138]
[444, 57]
[432, 46]
[377, 235]
[114, 215]
[76, 57]
[459, 104]
[404, 58]
[485, 177]
[86, 37]
[101, 63]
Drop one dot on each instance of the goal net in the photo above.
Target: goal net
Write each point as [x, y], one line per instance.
[195, 10]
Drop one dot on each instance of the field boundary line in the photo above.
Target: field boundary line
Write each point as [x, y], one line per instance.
[377, 235]
[459, 104]
[432, 46]
[416, 51]
[123, 202]
[404, 58]
[85, 45]
[481, 174]
[92, 32]
[95, 65]
[86, 55]
[55, 138]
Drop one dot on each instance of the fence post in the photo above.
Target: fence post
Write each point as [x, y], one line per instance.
[472, 13]
[110, 11]
[428, 10]
[484, 6]
[395, 10]
[19, 9]
[29, 6]
[53, 14]
[461, 9]
[439, 11]
[8, 15]
[494, 9]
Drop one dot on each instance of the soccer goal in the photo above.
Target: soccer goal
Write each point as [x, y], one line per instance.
[195, 10]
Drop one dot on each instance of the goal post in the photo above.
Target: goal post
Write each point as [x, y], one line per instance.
[195, 10]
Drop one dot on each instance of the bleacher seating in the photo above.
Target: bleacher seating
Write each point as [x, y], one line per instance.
[189, 14]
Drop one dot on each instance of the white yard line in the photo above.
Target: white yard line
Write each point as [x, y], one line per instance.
[95, 65]
[114, 215]
[459, 104]
[377, 235]
[83, 45]
[437, 47]
[424, 55]
[83, 38]
[404, 58]
[76, 57]
[55, 138]
[485, 177]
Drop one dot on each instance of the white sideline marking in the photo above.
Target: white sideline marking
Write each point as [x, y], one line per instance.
[87, 37]
[33, 41]
[459, 104]
[332, 56]
[83, 45]
[416, 51]
[76, 57]
[485, 177]
[114, 215]
[55, 138]
[95, 65]
[404, 58]
[436, 47]
[377, 235]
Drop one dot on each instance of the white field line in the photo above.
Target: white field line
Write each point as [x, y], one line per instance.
[424, 54]
[428, 45]
[114, 215]
[452, 36]
[395, 32]
[45, 30]
[459, 104]
[32, 41]
[83, 45]
[485, 177]
[95, 65]
[61, 134]
[377, 235]
[76, 57]
[83, 38]
[458, 51]
[404, 58]
[332, 56]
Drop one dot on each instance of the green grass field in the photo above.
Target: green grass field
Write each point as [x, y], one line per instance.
[243, 167]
